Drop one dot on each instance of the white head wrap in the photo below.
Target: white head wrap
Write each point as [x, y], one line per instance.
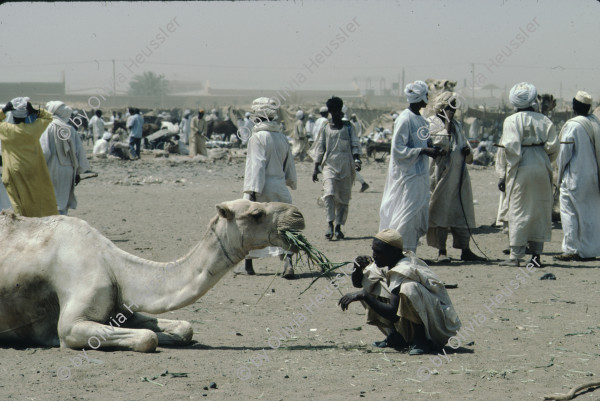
[522, 95]
[107, 136]
[324, 109]
[583, 97]
[265, 107]
[20, 105]
[395, 116]
[299, 114]
[59, 110]
[247, 114]
[443, 100]
[416, 92]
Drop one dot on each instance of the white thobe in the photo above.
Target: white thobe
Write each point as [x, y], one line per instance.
[97, 124]
[335, 151]
[100, 147]
[579, 191]
[299, 140]
[405, 202]
[65, 159]
[185, 130]
[530, 144]
[270, 169]
[319, 124]
[309, 128]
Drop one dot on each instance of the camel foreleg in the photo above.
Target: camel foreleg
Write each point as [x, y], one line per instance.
[93, 335]
[169, 332]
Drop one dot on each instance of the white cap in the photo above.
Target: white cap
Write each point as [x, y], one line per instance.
[583, 97]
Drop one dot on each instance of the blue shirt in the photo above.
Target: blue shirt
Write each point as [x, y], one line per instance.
[134, 124]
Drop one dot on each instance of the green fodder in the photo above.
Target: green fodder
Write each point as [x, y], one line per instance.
[312, 256]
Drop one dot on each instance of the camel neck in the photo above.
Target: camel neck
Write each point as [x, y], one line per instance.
[161, 287]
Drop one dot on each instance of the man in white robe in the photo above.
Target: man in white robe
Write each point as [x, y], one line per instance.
[578, 173]
[319, 124]
[529, 143]
[64, 154]
[338, 156]
[270, 169]
[309, 128]
[101, 147]
[405, 202]
[97, 125]
[451, 205]
[185, 127]
[299, 139]
[403, 297]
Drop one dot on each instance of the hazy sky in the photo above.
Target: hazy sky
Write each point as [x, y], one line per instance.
[267, 44]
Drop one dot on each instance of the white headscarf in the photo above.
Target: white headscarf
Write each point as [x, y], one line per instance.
[416, 92]
[522, 95]
[299, 114]
[265, 107]
[20, 105]
[59, 110]
[107, 136]
[443, 100]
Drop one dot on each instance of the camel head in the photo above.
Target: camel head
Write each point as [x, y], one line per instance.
[258, 225]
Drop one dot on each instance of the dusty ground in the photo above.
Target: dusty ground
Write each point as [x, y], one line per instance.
[540, 338]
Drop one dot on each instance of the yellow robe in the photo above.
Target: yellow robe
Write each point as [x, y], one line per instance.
[24, 171]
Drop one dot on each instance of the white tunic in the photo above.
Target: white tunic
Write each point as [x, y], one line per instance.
[319, 124]
[270, 169]
[65, 157]
[530, 144]
[405, 202]
[97, 125]
[335, 151]
[579, 191]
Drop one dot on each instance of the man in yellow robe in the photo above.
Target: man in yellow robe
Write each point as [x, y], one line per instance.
[24, 171]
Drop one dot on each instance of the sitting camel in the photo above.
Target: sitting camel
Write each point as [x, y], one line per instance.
[63, 283]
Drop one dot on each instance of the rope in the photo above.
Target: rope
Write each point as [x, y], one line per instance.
[460, 182]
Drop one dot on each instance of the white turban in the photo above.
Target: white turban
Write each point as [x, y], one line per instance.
[247, 114]
[299, 114]
[107, 136]
[265, 107]
[443, 100]
[60, 110]
[416, 92]
[323, 109]
[523, 95]
[20, 105]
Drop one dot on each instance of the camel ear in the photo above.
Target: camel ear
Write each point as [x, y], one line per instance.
[225, 212]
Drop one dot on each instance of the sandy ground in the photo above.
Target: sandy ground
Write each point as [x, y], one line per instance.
[539, 338]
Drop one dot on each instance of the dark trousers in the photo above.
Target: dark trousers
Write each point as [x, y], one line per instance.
[134, 147]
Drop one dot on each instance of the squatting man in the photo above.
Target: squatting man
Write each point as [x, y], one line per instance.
[403, 297]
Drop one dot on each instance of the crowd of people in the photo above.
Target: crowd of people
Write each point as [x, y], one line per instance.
[427, 191]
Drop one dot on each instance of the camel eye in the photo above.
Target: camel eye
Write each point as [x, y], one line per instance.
[258, 214]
